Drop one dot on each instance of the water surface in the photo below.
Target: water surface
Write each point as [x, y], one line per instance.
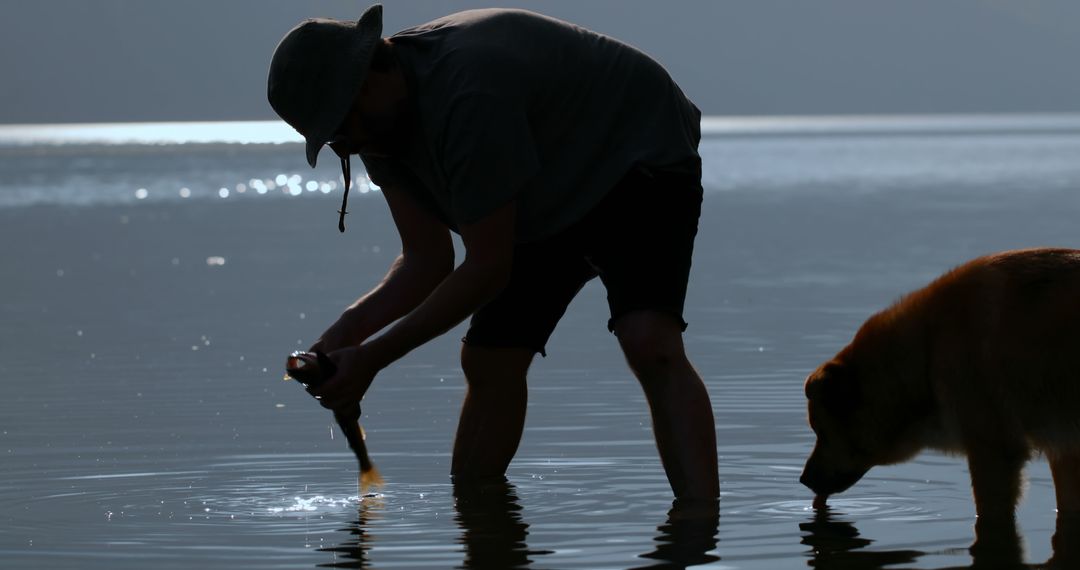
[146, 424]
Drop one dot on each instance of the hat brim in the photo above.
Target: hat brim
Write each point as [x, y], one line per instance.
[313, 149]
[369, 27]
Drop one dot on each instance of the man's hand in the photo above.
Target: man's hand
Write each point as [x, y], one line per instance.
[346, 331]
[355, 372]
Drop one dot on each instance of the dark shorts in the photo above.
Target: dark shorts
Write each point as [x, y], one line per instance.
[638, 240]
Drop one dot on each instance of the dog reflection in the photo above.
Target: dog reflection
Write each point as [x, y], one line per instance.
[837, 544]
[688, 535]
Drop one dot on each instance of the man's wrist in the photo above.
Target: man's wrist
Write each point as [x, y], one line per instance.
[376, 353]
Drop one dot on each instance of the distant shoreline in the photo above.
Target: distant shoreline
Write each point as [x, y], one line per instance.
[279, 133]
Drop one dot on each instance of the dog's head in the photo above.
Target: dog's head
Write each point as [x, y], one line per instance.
[844, 451]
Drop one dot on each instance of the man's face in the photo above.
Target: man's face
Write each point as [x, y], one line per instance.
[377, 123]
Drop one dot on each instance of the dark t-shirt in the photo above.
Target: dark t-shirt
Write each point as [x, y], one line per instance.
[513, 105]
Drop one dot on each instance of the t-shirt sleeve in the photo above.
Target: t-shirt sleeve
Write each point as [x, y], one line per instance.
[489, 155]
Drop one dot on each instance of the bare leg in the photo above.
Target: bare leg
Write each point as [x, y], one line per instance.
[1066, 471]
[493, 415]
[681, 412]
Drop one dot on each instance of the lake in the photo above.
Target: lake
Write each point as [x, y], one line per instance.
[152, 289]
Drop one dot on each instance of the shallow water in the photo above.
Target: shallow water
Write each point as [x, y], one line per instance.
[146, 424]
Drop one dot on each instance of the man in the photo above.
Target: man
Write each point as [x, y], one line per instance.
[558, 155]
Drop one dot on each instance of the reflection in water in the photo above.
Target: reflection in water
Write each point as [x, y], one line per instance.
[352, 553]
[837, 545]
[688, 535]
[492, 529]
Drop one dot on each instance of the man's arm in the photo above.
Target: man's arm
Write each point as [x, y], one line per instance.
[489, 247]
[427, 257]
[489, 254]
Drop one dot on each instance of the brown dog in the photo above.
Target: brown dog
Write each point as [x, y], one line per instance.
[985, 361]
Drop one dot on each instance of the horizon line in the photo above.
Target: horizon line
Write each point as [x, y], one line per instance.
[279, 132]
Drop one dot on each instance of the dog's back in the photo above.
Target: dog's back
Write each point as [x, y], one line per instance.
[1007, 343]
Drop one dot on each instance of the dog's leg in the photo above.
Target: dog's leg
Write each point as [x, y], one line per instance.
[1065, 467]
[998, 543]
[1066, 542]
[995, 480]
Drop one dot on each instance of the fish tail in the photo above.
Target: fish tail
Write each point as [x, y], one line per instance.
[369, 478]
[369, 475]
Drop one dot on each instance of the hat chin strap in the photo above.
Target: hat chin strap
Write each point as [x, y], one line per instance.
[346, 170]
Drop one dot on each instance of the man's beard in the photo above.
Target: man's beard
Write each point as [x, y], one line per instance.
[391, 131]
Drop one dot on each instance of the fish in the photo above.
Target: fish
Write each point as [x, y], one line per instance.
[312, 369]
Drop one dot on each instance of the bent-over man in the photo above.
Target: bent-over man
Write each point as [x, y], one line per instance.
[558, 155]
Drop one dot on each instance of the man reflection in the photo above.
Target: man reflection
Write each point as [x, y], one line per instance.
[688, 535]
[492, 530]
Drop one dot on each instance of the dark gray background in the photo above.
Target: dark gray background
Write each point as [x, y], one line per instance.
[140, 60]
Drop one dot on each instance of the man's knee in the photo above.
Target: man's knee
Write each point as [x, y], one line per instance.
[652, 343]
[485, 366]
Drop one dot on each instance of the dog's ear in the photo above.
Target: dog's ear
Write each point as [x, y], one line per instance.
[835, 386]
[815, 382]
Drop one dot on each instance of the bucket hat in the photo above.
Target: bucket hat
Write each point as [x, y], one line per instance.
[315, 73]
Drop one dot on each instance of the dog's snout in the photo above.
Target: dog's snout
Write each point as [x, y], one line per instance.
[809, 480]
